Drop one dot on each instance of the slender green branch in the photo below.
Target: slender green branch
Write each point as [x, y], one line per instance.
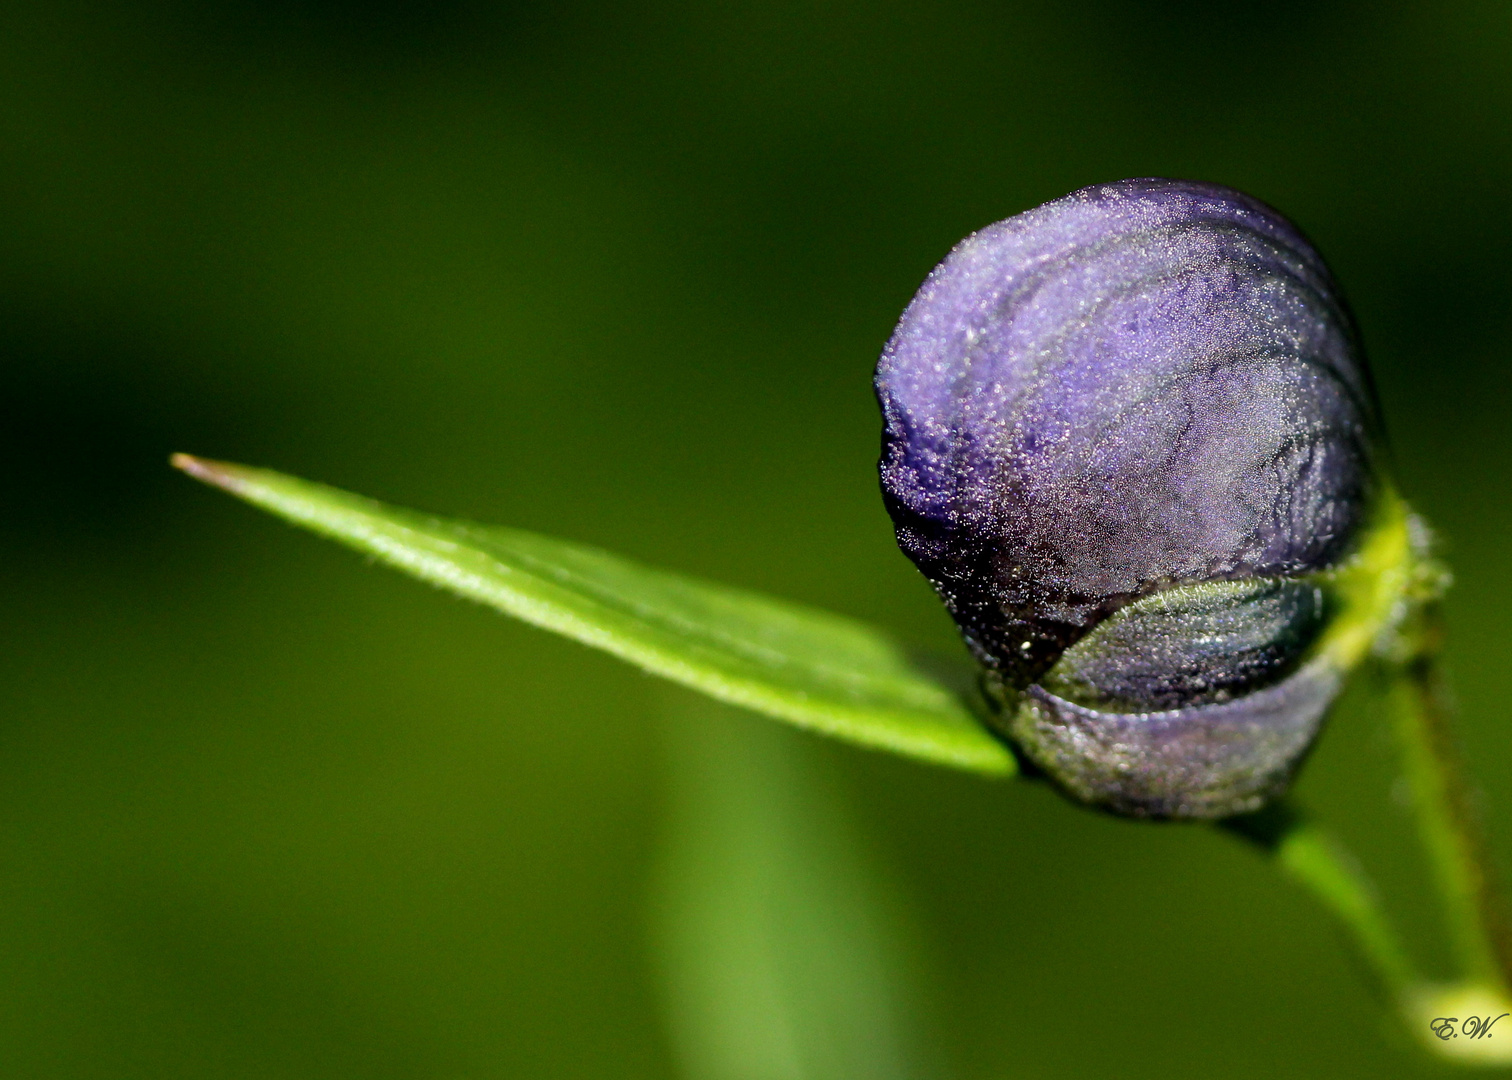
[1469, 1006]
[1318, 862]
[1455, 1021]
[1461, 867]
[1460, 863]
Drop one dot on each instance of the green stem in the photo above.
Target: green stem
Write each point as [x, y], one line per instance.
[1390, 610]
[1447, 824]
[1318, 862]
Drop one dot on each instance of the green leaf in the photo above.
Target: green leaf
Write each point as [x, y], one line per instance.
[814, 669]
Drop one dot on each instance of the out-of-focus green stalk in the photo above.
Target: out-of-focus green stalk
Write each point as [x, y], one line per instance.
[1475, 1002]
[1475, 911]
[1318, 862]
[1457, 1021]
[1466, 883]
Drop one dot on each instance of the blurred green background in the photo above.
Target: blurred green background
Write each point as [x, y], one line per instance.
[619, 274]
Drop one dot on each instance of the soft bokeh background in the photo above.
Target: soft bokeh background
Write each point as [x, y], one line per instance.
[619, 274]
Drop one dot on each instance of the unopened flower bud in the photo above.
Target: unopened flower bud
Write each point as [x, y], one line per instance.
[1125, 434]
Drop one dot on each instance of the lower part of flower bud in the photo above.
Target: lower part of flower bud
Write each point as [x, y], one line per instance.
[1204, 761]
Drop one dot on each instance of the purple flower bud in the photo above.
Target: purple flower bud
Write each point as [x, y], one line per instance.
[1121, 431]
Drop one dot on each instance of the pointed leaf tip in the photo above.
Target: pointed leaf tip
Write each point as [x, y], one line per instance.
[811, 668]
[221, 474]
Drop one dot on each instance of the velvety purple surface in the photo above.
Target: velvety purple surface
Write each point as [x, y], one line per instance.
[1143, 383]
[1203, 762]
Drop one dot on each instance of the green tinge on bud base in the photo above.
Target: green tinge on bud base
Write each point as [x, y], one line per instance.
[1232, 753]
[1374, 588]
